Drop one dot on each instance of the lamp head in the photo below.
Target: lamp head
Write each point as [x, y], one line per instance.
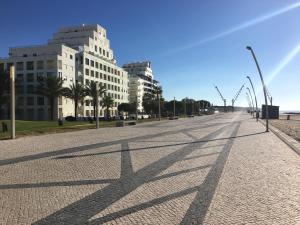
[249, 48]
[248, 77]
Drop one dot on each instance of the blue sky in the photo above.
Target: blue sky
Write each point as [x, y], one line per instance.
[193, 45]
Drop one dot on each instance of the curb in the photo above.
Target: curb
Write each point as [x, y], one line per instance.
[291, 142]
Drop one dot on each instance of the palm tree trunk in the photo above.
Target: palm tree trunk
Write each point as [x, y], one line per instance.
[75, 110]
[52, 109]
[94, 106]
[0, 110]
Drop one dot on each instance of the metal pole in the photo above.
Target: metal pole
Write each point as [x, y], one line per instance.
[159, 113]
[264, 87]
[185, 106]
[174, 108]
[251, 100]
[225, 109]
[254, 97]
[232, 105]
[97, 106]
[12, 102]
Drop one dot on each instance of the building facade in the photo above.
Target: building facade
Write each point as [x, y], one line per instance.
[75, 54]
[141, 81]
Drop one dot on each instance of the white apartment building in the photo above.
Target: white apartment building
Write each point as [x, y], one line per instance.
[140, 81]
[80, 53]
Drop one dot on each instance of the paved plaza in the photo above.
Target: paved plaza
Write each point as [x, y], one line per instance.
[218, 169]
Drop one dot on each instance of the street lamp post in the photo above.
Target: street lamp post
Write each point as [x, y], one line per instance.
[12, 102]
[251, 100]
[254, 98]
[159, 113]
[174, 108]
[264, 86]
[185, 107]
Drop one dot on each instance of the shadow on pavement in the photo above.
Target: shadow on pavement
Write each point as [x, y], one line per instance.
[82, 210]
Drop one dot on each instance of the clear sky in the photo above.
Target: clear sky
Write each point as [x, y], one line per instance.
[193, 45]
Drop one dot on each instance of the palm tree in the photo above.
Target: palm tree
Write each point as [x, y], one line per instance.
[157, 91]
[108, 103]
[4, 88]
[51, 88]
[91, 90]
[76, 92]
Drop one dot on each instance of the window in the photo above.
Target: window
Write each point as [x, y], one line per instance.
[107, 54]
[20, 66]
[71, 56]
[101, 77]
[100, 50]
[20, 78]
[108, 69]
[87, 113]
[41, 114]
[20, 89]
[96, 48]
[50, 64]
[87, 102]
[60, 100]
[30, 100]
[87, 72]
[40, 100]
[97, 65]
[20, 101]
[104, 67]
[104, 76]
[30, 114]
[92, 63]
[87, 61]
[108, 77]
[97, 74]
[40, 65]
[29, 65]
[92, 73]
[100, 66]
[39, 76]
[59, 64]
[87, 81]
[30, 89]
[30, 77]
[50, 74]
[103, 52]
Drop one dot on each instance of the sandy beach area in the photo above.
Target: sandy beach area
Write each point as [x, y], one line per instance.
[290, 127]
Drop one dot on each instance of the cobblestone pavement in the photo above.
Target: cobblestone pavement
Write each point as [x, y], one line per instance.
[219, 169]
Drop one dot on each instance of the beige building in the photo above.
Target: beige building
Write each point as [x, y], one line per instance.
[80, 53]
[141, 81]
